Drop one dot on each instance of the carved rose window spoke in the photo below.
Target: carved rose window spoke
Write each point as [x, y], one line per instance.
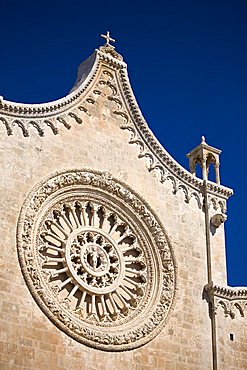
[96, 259]
[93, 260]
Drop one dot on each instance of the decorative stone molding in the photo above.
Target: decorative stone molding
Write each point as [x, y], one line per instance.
[108, 49]
[102, 69]
[96, 259]
[216, 203]
[232, 300]
[159, 158]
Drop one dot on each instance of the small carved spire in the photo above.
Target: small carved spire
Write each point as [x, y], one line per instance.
[205, 155]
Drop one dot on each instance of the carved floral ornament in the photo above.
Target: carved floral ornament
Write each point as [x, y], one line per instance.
[96, 259]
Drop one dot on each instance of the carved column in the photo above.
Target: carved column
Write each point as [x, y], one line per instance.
[204, 169]
[217, 172]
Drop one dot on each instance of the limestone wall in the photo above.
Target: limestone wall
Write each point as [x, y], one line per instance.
[29, 340]
[232, 339]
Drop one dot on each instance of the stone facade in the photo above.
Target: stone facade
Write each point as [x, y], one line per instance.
[105, 253]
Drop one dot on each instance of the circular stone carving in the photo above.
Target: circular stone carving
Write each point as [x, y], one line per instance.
[96, 259]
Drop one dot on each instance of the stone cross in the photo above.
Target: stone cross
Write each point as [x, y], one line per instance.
[108, 38]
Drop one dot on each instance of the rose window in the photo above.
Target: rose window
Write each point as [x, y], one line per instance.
[92, 259]
[96, 259]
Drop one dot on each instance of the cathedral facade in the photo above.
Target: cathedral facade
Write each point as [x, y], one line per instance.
[113, 255]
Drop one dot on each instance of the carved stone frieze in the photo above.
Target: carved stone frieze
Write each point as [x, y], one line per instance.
[158, 157]
[96, 259]
[232, 308]
[108, 70]
[109, 49]
[233, 301]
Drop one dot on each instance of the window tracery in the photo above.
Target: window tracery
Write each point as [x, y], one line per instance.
[96, 259]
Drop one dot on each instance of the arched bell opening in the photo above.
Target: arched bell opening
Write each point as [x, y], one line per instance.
[208, 159]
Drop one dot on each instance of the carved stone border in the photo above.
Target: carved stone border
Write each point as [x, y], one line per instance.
[66, 111]
[154, 320]
[151, 148]
[231, 300]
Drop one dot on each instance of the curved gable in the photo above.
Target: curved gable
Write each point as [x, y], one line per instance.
[103, 76]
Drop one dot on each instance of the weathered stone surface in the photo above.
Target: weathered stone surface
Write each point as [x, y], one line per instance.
[99, 127]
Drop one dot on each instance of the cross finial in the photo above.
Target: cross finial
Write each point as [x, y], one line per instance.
[108, 38]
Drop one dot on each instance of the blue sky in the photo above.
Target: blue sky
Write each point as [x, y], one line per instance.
[187, 62]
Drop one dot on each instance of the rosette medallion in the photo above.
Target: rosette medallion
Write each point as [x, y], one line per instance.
[96, 259]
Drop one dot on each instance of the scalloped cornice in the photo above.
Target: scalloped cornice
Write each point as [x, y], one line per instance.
[105, 67]
[161, 159]
[60, 105]
[231, 300]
